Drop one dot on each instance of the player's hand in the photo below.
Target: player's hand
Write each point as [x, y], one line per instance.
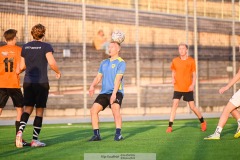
[91, 91]
[58, 75]
[223, 89]
[173, 81]
[191, 88]
[113, 98]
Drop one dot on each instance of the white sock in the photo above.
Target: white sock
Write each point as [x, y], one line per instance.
[238, 123]
[218, 130]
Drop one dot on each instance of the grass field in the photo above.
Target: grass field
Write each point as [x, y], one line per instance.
[66, 142]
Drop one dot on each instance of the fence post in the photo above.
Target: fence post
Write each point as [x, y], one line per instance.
[137, 56]
[196, 53]
[25, 21]
[84, 57]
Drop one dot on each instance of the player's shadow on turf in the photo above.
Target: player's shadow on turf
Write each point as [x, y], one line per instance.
[230, 131]
[50, 140]
[192, 124]
[137, 130]
[66, 137]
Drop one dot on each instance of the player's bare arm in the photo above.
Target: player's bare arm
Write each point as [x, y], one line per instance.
[191, 87]
[95, 82]
[22, 66]
[231, 83]
[116, 87]
[173, 77]
[53, 64]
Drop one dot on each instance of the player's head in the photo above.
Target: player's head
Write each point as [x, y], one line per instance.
[10, 35]
[114, 48]
[183, 49]
[100, 32]
[38, 31]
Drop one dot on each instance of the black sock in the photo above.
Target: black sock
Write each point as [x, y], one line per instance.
[118, 130]
[17, 125]
[201, 120]
[37, 125]
[170, 124]
[96, 132]
[24, 120]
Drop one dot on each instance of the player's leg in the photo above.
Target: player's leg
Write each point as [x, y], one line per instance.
[23, 122]
[41, 95]
[94, 111]
[37, 126]
[235, 113]
[17, 98]
[100, 103]
[29, 102]
[3, 99]
[188, 97]
[198, 114]
[115, 107]
[176, 99]
[18, 117]
[231, 106]
[222, 121]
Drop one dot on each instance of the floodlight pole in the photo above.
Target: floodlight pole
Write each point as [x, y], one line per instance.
[25, 21]
[186, 20]
[196, 54]
[137, 56]
[233, 44]
[84, 58]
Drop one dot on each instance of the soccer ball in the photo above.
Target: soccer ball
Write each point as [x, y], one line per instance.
[118, 36]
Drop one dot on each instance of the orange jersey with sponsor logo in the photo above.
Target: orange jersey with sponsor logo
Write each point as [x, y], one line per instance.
[184, 70]
[9, 61]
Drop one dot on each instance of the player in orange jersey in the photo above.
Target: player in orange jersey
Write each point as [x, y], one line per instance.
[183, 78]
[9, 78]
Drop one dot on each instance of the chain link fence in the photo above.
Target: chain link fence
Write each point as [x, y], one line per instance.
[153, 31]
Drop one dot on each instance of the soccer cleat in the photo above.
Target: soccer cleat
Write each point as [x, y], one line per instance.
[237, 134]
[204, 126]
[18, 142]
[95, 138]
[118, 137]
[37, 143]
[25, 143]
[213, 137]
[169, 130]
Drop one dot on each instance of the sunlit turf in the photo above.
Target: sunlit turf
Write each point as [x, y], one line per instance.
[70, 142]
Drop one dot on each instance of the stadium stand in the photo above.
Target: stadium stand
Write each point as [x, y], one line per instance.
[165, 27]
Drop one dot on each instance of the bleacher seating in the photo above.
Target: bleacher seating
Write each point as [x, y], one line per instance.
[164, 31]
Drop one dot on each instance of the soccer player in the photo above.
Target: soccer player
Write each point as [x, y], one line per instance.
[36, 55]
[231, 107]
[9, 75]
[111, 73]
[183, 78]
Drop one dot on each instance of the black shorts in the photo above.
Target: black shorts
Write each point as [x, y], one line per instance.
[14, 93]
[36, 94]
[187, 96]
[104, 99]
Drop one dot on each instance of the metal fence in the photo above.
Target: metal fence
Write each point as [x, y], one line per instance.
[153, 29]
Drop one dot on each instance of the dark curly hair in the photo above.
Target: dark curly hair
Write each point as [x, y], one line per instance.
[38, 31]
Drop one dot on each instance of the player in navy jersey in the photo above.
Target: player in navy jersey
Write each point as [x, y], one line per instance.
[111, 73]
[36, 55]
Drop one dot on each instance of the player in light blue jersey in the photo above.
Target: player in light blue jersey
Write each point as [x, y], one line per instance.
[111, 73]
